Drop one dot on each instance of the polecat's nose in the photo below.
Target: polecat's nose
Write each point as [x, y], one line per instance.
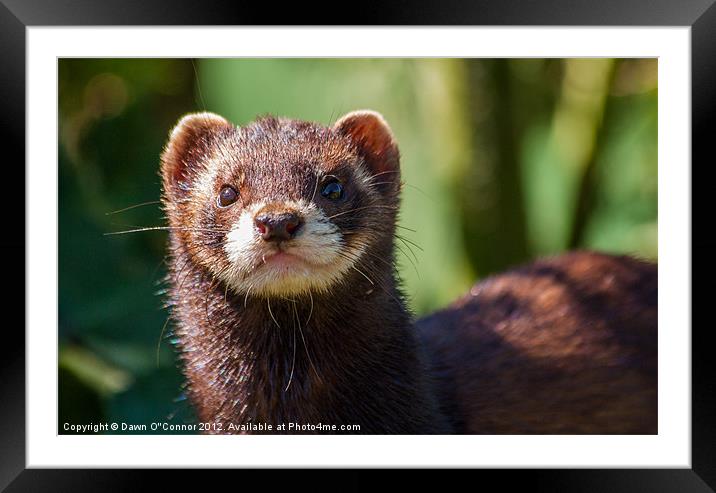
[278, 227]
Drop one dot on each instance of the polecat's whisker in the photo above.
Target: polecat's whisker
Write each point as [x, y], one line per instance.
[310, 313]
[181, 271]
[407, 245]
[246, 297]
[362, 208]
[428, 196]
[315, 189]
[198, 86]
[331, 120]
[268, 302]
[305, 346]
[356, 260]
[164, 228]
[156, 269]
[153, 228]
[161, 335]
[410, 249]
[372, 255]
[370, 182]
[403, 238]
[400, 249]
[293, 361]
[132, 207]
[384, 173]
[362, 273]
[384, 262]
[380, 283]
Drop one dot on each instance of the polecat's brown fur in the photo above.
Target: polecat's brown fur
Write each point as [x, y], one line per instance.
[563, 345]
[283, 289]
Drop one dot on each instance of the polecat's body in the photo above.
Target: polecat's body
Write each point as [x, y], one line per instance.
[563, 345]
[287, 309]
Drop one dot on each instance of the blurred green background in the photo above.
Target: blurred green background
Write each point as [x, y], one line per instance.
[503, 161]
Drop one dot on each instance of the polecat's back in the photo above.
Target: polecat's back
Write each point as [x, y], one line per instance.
[563, 345]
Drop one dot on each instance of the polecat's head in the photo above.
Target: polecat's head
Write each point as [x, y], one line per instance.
[282, 207]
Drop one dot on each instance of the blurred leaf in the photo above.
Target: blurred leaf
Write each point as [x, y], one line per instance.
[93, 371]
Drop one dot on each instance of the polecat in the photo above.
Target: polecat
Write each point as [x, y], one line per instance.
[288, 314]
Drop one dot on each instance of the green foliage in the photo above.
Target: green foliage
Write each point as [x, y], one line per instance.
[114, 118]
[503, 160]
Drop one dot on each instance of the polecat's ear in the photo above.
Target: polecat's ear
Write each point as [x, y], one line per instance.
[189, 143]
[371, 134]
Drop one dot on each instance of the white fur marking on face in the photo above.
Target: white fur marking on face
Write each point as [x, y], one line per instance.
[318, 243]
[242, 239]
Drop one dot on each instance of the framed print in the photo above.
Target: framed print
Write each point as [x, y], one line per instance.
[384, 232]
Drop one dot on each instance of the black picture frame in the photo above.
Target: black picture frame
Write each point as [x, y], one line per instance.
[16, 15]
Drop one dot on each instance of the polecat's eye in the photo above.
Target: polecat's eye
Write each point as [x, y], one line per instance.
[227, 196]
[332, 190]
